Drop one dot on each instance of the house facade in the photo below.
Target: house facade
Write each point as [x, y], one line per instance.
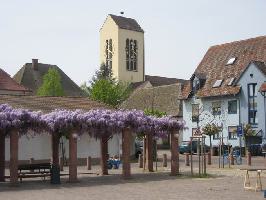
[224, 90]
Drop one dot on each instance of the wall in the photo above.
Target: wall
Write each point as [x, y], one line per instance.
[108, 31]
[258, 78]
[39, 147]
[124, 74]
[207, 117]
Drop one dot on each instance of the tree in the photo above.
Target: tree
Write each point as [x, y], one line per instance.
[105, 72]
[248, 131]
[109, 92]
[155, 113]
[51, 85]
[210, 129]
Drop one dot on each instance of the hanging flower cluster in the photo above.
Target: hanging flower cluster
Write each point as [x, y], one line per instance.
[95, 122]
[19, 119]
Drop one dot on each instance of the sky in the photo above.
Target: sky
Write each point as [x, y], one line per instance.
[177, 32]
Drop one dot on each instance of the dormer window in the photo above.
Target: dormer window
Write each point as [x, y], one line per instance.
[231, 61]
[217, 83]
[231, 81]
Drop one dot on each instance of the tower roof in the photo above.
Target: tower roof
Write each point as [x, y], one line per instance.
[127, 23]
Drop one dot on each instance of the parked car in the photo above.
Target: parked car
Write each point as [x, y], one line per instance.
[185, 147]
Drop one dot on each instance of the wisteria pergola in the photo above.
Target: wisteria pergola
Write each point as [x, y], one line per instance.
[100, 123]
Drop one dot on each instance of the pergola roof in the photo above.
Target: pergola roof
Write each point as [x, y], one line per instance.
[48, 104]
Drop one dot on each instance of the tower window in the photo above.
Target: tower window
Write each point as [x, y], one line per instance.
[131, 54]
[109, 53]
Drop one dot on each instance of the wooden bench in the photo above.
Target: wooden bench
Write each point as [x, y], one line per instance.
[247, 185]
[34, 170]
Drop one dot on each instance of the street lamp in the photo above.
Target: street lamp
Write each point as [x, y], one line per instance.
[262, 90]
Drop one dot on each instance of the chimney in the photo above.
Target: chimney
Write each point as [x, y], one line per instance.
[35, 64]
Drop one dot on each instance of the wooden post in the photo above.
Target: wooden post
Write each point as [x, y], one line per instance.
[165, 160]
[249, 158]
[174, 166]
[88, 163]
[186, 159]
[61, 164]
[150, 152]
[55, 149]
[2, 157]
[140, 161]
[144, 153]
[73, 161]
[126, 153]
[209, 158]
[104, 154]
[31, 161]
[13, 158]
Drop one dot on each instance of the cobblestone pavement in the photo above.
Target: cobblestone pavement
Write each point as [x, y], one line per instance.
[221, 184]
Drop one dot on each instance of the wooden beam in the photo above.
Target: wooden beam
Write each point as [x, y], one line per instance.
[14, 158]
[150, 152]
[126, 135]
[104, 155]
[2, 157]
[73, 161]
[174, 153]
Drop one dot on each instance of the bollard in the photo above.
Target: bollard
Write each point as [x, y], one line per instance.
[209, 158]
[140, 161]
[31, 162]
[232, 160]
[88, 163]
[164, 160]
[61, 164]
[186, 159]
[249, 158]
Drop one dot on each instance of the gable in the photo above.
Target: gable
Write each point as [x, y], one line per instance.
[215, 65]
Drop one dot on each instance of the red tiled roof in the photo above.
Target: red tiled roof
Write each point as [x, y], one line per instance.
[214, 65]
[7, 83]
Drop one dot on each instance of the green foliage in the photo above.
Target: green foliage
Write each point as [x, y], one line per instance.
[155, 113]
[210, 129]
[248, 131]
[51, 85]
[104, 72]
[109, 92]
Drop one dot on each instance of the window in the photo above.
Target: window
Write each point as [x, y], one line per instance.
[216, 136]
[217, 83]
[195, 112]
[232, 132]
[252, 104]
[131, 55]
[216, 108]
[232, 107]
[230, 81]
[231, 61]
[109, 53]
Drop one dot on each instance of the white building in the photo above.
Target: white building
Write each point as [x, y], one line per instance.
[224, 90]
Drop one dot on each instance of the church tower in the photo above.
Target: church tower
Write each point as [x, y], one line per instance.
[122, 48]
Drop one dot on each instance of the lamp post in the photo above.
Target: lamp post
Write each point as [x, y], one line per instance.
[262, 90]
